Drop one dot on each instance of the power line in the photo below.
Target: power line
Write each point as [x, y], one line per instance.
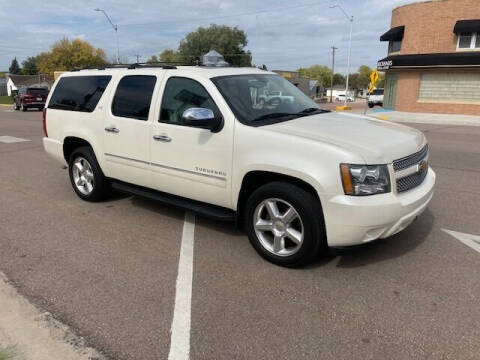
[163, 21]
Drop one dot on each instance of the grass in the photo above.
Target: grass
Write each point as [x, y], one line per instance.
[6, 100]
[4, 355]
[7, 353]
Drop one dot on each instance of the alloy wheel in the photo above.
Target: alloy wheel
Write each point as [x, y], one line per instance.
[83, 176]
[278, 227]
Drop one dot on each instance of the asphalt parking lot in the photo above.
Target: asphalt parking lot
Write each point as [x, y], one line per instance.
[109, 269]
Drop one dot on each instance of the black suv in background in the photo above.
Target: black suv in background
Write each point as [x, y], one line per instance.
[30, 97]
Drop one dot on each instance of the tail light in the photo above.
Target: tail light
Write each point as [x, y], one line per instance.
[44, 116]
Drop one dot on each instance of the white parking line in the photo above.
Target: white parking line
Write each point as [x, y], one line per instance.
[11, 139]
[180, 331]
[472, 241]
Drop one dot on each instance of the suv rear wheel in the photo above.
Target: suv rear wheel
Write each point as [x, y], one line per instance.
[86, 177]
[285, 224]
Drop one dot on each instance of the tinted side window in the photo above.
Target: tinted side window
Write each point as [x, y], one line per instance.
[181, 94]
[78, 93]
[133, 96]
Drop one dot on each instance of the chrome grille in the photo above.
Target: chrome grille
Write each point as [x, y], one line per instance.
[412, 180]
[410, 160]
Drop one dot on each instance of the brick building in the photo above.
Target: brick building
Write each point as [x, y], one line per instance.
[433, 62]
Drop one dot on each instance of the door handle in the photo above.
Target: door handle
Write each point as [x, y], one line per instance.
[164, 138]
[112, 129]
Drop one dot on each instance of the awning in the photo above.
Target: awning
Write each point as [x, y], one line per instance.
[394, 34]
[467, 26]
[430, 60]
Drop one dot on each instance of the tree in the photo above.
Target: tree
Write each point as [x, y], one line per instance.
[14, 67]
[29, 65]
[321, 73]
[354, 82]
[228, 41]
[68, 55]
[339, 79]
[364, 72]
[168, 55]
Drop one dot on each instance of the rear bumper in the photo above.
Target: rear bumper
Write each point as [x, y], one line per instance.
[356, 220]
[54, 148]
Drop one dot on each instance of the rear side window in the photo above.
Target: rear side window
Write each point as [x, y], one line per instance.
[78, 93]
[133, 96]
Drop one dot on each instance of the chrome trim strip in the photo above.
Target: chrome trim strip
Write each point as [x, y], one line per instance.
[188, 171]
[406, 172]
[127, 158]
[168, 167]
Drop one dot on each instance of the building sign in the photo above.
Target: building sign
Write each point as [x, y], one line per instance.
[384, 65]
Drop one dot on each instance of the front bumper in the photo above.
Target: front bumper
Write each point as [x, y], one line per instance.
[351, 220]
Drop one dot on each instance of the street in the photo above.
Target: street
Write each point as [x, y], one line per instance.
[109, 270]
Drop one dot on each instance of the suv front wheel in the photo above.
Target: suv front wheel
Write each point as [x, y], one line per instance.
[86, 177]
[285, 224]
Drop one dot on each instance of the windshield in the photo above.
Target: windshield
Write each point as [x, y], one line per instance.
[377, 92]
[261, 99]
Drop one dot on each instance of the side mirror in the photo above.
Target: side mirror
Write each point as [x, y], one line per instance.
[202, 118]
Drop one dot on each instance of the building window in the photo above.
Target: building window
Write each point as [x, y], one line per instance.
[468, 41]
[395, 46]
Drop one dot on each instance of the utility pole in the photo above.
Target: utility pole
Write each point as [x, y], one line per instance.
[333, 72]
[138, 58]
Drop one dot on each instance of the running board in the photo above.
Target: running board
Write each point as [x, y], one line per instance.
[208, 210]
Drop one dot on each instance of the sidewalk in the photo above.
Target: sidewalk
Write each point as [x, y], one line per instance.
[423, 118]
[28, 334]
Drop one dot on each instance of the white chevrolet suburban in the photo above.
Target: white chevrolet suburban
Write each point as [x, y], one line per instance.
[298, 178]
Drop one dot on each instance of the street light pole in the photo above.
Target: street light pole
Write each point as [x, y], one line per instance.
[333, 72]
[350, 19]
[115, 27]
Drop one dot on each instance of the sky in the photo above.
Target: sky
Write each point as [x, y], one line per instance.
[282, 34]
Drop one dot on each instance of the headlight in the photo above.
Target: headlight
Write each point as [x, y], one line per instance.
[361, 180]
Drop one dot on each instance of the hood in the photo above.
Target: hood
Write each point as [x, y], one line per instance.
[376, 141]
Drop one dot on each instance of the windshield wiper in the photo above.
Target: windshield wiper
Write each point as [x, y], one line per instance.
[311, 111]
[273, 116]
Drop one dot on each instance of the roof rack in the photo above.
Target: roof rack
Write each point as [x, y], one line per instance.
[163, 65]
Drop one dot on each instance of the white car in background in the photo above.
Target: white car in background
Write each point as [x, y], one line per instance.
[296, 177]
[341, 98]
[375, 98]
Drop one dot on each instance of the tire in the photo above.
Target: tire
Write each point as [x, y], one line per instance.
[371, 106]
[23, 107]
[307, 221]
[92, 174]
